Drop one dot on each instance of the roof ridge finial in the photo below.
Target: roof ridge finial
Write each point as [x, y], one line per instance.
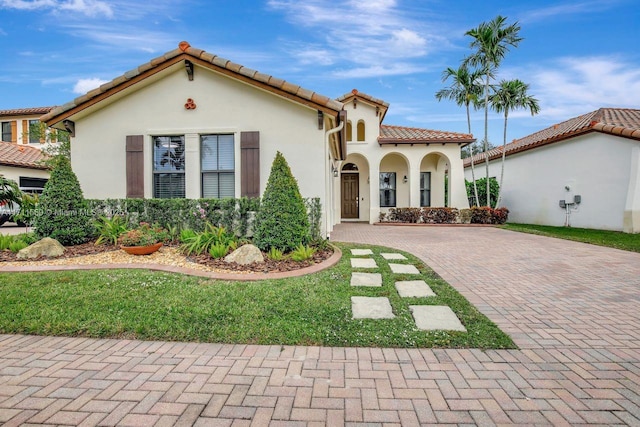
[183, 45]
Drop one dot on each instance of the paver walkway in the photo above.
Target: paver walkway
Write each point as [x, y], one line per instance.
[572, 308]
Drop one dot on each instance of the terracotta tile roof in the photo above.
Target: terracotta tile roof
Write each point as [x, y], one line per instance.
[26, 111]
[12, 154]
[199, 56]
[622, 122]
[406, 135]
[381, 106]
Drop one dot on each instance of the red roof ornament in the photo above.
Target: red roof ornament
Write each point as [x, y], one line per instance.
[183, 46]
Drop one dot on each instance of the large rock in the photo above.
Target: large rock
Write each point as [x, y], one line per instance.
[244, 255]
[47, 247]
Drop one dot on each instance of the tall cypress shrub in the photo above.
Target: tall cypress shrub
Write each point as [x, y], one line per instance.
[282, 221]
[62, 212]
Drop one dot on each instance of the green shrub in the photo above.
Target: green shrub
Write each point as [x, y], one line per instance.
[219, 250]
[275, 254]
[186, 234]
[27, 212]
[63, 214]
[282, 221]
[5, 241]
[302, 253]
[494, 189]
[110, 229]
[144, 235]
[17, 245]
[200, 243]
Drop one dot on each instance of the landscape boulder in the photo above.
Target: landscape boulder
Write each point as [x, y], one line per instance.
[244, 255]
[47, 247]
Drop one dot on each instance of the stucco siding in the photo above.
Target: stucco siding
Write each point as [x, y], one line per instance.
[15, 173]
[223, 105]
[595, 166]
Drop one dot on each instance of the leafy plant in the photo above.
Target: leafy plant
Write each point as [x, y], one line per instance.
[5, 241]
[63, 213]
[275, 254]
[27, 212]
[282, 221]
[200, 243]
[144, 235]
[110, 229]
[9, 191]
[219, 250]
[186, 234]
[17, 245]
[482, 192]
[302, 253]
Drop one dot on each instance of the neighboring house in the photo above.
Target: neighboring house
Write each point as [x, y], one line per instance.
[22, 125]
[593, 159]
[23, 164]
[192, 124]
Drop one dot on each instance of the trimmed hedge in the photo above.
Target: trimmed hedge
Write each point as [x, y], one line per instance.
[428, 215]
[235, 215]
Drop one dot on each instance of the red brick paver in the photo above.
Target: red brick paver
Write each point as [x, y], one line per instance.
[571, 308]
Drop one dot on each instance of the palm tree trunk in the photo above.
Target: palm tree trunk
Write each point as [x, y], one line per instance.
[473, 173]
[504, 143]
[486, 132]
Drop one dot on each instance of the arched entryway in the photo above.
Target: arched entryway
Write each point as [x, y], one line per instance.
[434, 169]
[394, 181]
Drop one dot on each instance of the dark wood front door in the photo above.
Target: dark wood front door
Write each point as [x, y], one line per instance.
[350, 195]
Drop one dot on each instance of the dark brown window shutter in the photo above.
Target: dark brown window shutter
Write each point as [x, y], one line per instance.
[250, 164]
[135, 166]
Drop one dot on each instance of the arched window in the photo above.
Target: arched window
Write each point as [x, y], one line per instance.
[349, 131]
[360, 130]
[349, 167]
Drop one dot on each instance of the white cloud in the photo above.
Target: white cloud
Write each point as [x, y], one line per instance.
[570, 9]
[90, 8]
[83, 86]
[378, 32]
[572, 86]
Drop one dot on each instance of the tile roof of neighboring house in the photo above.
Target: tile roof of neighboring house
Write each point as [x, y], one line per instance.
[26, 111]
[12, 154]
[622, 122]
[406, 135]
[200, 57]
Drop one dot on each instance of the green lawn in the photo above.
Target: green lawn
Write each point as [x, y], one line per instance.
[309, 310]
[612, 239]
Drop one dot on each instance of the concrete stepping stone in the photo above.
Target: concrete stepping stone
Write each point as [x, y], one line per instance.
[393, 256]
[414, 289]
[436, 317]
[363, 263]
[371, 308]
[366, 279]
[359, 252]
[404, 268]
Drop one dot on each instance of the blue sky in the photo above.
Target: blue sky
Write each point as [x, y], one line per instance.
[577, 55]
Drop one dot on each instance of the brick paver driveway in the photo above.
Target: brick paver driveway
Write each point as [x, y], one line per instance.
[571, 308]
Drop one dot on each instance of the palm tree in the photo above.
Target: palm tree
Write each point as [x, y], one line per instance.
[9, 191]
[511, 95]
[465, 90]
[491, 41]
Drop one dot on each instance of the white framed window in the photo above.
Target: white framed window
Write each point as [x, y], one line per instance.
[168, 167]
[34, 132]
[217, 161]
[6, 131]
[425, 189]
[387, 189]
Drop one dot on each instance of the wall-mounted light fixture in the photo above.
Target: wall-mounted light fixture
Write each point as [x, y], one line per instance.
[404, 179]
[334, 171]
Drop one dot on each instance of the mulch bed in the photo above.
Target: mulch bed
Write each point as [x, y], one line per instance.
[269, 266]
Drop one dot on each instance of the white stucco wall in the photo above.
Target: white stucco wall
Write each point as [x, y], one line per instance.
[595, 166]
[15, 173]
[223, 105]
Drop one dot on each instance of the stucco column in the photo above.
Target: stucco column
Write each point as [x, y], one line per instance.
[457, 188]
[192, 166]
[414, 186]
[374, 193]
[631, 220]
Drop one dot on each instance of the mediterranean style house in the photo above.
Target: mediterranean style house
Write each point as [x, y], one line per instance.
[583, 172]
[21, 125]
[192, 124]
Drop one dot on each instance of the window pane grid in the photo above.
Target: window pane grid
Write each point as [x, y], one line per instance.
[217, 165]
[425, 189]
[168, 167]
[387, 189]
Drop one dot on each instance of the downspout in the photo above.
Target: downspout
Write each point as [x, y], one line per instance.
[329, 192]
